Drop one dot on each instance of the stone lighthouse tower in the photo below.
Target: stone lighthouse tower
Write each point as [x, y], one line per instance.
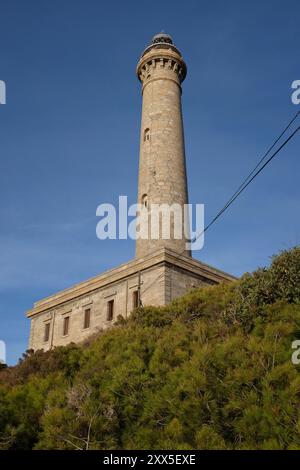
[162, 269]
[162, 170]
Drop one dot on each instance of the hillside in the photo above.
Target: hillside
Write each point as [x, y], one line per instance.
[211, 371]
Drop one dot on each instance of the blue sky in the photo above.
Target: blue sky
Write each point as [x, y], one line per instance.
[69, 134]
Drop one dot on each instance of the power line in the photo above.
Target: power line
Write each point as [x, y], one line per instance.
[252, 175]
[263, 157]
[243, 187]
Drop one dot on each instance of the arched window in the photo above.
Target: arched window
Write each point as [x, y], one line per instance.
[145, 201]
[146, 135]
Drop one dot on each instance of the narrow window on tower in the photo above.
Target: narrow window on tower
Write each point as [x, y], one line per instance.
[145, 200]
[87, 318]
[47, 332]
[147, 135]
[135, 299]
[110, 310]
[66, 326]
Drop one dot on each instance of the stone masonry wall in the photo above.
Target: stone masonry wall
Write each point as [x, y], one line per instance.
[122, 294]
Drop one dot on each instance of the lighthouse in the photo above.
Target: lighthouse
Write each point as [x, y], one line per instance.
[163, 268]
[162, 167]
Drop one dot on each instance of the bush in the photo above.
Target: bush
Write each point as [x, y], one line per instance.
[212, 370]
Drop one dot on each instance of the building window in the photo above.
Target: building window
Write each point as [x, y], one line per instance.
[146, 135]
[110, 310]
[66, 326]
[135, 299]
[87, 318]
[47, 332]
[145, 201]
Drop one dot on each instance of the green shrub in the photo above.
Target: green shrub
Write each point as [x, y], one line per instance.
[212, 370]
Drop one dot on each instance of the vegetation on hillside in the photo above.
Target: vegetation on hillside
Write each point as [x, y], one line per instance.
[212, 370]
